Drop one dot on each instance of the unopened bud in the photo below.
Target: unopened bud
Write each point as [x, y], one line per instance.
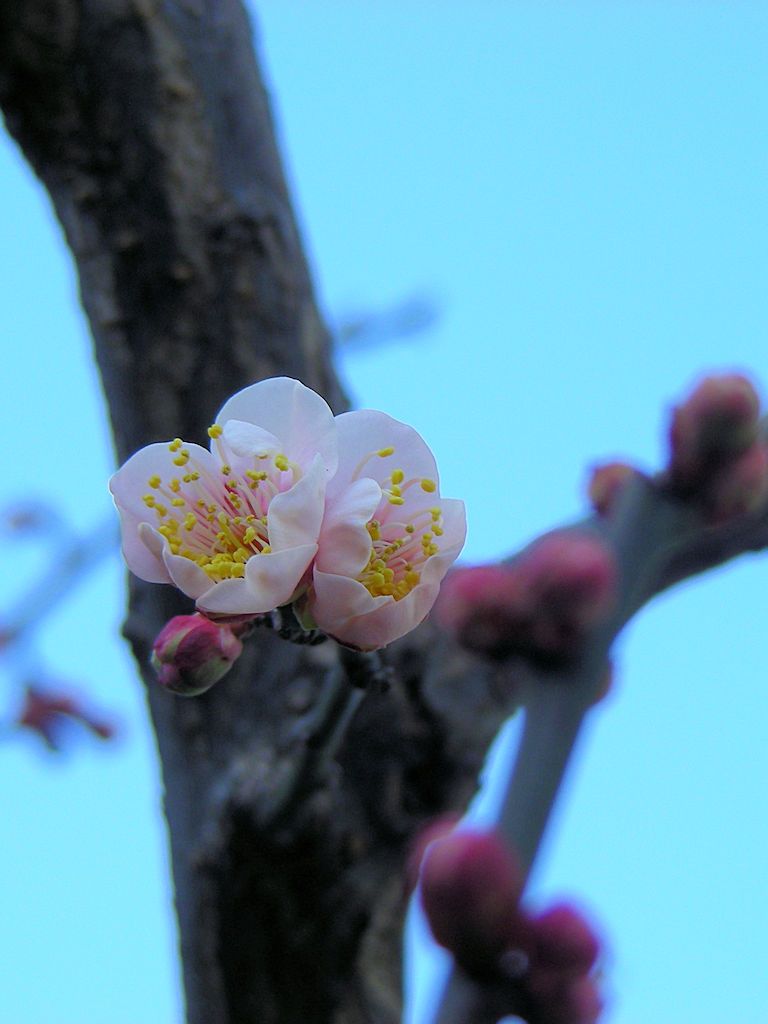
[470, 890]
[606, 483]
[739, 487]
[714, 425]
[191, 653]
[481, 606]
[573, 574]
[538, 606]
[439, 828]
[565, 940]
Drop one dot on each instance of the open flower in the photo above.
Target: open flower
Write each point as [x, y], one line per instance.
[236, 527]
[387, 539]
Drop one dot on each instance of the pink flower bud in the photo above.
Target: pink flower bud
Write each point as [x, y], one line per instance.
[716, 423]
[606, 483]
[191, 653]
[739, 487]
[538, 606]
[439, 828]
[470, 891]
[572, 575]
[565, 940]
[481, 605]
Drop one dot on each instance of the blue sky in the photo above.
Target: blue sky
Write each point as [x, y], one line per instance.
[581, 187]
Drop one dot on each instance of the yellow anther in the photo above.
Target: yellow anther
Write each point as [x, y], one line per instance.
[266, 550]
[384, 452]
[410, 528]
[161, 510]
[437, 530]
[395, 499]
[281, 462]
[154, 481]
[249, 535]
[374, 530]
[215, 430]
[428, 485]
[175, 444]
[178, 502]
[395, 491]
[189, 521]
[190, 477]
[223, 519]
[182, 459]
[398, 476]
[149, 500]
[175, 485]
[226, 470]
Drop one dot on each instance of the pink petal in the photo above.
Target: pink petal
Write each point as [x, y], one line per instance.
[142, 555]
[345, 544]
[295, 515]
[299, 417]
[186, 574]
[372, 623]
[270, 581]
[142, 544]
[365, 431]
[336, 599]
[246, 439]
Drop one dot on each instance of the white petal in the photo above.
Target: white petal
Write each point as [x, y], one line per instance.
[186, 574]
[366, 431]
[334, 600]
[270, 581]
[345, 544]
[142, 545]
[246, 439]
[295, 515]
[295, 414]
[142, 557]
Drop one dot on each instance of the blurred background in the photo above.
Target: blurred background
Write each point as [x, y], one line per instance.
[532, 226]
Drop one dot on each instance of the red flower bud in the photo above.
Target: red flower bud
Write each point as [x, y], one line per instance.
[470, 890]
[570, 575]
[538, 606]
[439, 828]
[739, 487]
[565, 940]
[715, 424]
[191, 653]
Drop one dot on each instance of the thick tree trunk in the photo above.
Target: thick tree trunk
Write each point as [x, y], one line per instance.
[149, 125]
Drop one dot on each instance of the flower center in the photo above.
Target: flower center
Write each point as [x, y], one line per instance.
[400, 544]
[218, 521]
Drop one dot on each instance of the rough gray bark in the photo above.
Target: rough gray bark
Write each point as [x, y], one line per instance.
[149, 125]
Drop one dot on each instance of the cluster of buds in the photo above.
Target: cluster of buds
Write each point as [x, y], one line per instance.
[191, 653]
[48, 714]
[540, 966]
[717, 456]
[539, 606]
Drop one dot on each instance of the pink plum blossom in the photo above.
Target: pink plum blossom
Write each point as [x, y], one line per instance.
[236, 527]
[387, 539]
